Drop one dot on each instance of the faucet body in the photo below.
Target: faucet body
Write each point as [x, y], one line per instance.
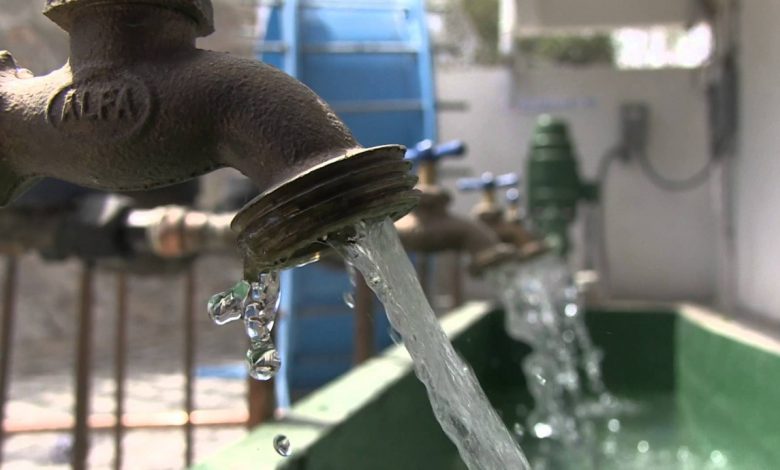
[138, 106]
[509, 228]
[431, 228]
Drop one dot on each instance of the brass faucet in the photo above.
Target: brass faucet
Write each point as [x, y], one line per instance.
[509, 225]
[431, 228]
[138, 106]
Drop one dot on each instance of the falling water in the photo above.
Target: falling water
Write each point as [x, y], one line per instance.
[551, 369]
[543, 310]
[458, 402]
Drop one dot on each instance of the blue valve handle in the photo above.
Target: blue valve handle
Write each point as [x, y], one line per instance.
[426, 151]
[488, 181]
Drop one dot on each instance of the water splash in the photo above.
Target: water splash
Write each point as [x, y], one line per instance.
[458, 402]
[543, 309]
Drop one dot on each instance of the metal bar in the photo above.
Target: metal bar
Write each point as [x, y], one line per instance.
[281, 47]
[359, 48]
[364, 326]
[189, 362]
[425, 73]
[451, 106]
[120, 362]
[376, 106]
[272, 47]
[6, 347]
[354, 5]
[457, 281]
[290, 37]
[346, 5]
[83, 371]
[261, 401]
[107, 421]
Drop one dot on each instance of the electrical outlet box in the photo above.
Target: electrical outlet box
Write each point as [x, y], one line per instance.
[634, 128]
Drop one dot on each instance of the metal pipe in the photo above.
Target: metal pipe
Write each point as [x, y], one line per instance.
[107, 421]
[261, 402]
[6, 343]
[83, 370]
[189, 362]
[138, 106]
[120, 363]
[177, 231]
[457, 281]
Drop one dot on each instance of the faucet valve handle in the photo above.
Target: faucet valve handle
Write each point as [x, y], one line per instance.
[426, 155]
[426, 151]
[488, 182]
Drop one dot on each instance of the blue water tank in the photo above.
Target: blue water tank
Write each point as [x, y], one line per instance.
[371, 61]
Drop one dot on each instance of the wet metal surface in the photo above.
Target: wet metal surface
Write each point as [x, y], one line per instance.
[6, 342]
[189, 362]
[83, 373]
[120, 363]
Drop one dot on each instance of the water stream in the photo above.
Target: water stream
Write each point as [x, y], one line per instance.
[458, 402]
[543, 309]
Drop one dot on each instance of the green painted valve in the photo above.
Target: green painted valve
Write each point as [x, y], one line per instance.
[554, 186]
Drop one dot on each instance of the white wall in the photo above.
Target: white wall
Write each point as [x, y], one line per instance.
[591, 13]
[757, 193]
[660, 245]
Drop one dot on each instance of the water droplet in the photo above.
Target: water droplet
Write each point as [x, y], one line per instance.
[263, 364]
[257, 331]
[349, 299]
[395, 336]
[224, 308]
[518, 430]
[256, 313]
[352, 271]
[543, 430]
[374, 280]
[643, 447]
[571, 310]
[568, 336]
[228, 306]
[266, 291]
[613, 425]
[718, 458]
[282, 445]
[610, 447]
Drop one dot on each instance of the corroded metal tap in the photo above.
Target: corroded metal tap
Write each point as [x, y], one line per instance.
[508, 226]
[431, 228]
[138, 106]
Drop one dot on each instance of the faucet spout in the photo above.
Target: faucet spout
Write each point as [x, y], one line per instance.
[138, 106]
